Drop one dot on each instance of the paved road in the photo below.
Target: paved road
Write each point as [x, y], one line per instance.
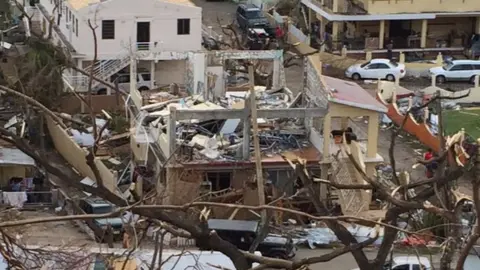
[215, 11]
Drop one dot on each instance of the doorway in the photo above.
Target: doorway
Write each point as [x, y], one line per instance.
[143, 35]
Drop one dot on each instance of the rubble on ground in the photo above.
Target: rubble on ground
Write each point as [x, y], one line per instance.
[222, 140]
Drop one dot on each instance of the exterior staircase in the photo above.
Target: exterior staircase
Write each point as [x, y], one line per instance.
[103, 70]
[352, 201]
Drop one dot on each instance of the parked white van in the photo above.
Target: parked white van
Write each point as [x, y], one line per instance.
[123, 80]
[456, 70]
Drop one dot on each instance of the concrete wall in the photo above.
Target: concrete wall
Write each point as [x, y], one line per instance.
[182, 185]
[163, 25]
[75, 155]
[167, 72]
[7, 172]
[419, 6]
[72, 104]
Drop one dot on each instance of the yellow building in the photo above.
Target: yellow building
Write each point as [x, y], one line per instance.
[428, 25]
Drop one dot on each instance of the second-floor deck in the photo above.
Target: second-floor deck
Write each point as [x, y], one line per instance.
[377, 7]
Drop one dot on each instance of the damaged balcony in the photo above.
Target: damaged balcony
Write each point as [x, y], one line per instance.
[201, 132]
[209, 145]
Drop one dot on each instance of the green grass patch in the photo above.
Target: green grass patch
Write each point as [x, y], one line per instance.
[469, 119]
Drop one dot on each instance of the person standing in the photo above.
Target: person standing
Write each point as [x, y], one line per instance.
[430, 166]
[390, 50]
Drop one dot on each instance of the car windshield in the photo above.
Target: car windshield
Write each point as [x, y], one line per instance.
[102, 210]
[394, 64]
[365, 64]
[447, 65]
[254, 14]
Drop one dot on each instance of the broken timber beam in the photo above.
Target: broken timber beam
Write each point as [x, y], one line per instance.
[203, 115]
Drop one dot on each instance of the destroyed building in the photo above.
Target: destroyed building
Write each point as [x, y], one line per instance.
[204, 140]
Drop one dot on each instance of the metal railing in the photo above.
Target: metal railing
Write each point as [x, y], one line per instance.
[104, 69]
[210, 33]
[79, 81]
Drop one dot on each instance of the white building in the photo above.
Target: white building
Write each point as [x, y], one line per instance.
[159, 32]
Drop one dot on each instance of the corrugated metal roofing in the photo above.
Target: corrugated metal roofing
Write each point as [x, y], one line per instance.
[13, 156]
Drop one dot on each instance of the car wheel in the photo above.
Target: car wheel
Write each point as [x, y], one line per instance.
[440, 79]
[143, 88]
[356, 76]
[472, 80]
[102, 91]
[390, 78]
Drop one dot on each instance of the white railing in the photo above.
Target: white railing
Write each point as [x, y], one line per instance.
[77, 82]
[208, 31]
[104, 69]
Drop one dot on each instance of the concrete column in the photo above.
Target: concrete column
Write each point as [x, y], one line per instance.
[368, 55]
[401, 58]
[133, 74]
[197, 61]
[246, 131]
[323, 22]
[276, 74]
[327, 130]
[423, 40]
[477, 25]
[152, 74]
[335, 6]
[372, 135]
[324, 175]
[171, 131]
[381, 35]
[335, 31]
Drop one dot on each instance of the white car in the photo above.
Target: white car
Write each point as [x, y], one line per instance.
[123, 80]
[456, 70]
[376, 69]
[410, 262]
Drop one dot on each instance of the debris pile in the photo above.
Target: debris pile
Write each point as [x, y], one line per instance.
[222, 139]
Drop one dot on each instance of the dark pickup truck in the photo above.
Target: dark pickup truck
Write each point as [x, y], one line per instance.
[251, 16]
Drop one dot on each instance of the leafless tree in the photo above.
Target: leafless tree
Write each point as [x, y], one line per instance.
[185, 221]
